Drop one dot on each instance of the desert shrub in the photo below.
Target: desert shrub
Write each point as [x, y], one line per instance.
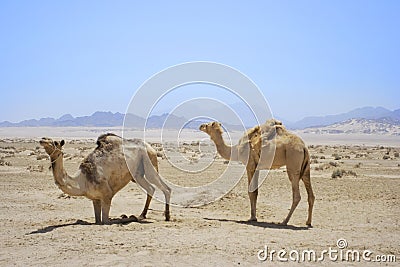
[340, 172]
[314, 161]
[319, 168]
[336, 156]
[347, 157]
[358, 165]
[360, 155]
[396, 154]
[314, 156]
[40, 157]
[5, 163]
[337, 173]
[322, 157]
[350, 172]
[334, 164]
[386, 157]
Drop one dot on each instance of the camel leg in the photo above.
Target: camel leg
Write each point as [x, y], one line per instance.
[154, 178]
[165, 189]
[311, 197]
[149, 190]
[97, 210]
[146, 207]
[252, 177]
[294, 179]
[105, 210]
[154, 162]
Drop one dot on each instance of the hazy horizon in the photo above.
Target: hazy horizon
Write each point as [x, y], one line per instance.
[182, 115]
[308, 58]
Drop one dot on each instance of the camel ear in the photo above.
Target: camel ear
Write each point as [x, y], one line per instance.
[62, 142]
[213, 124]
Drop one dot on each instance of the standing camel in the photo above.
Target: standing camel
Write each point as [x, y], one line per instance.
[106, 170]
[268, 146]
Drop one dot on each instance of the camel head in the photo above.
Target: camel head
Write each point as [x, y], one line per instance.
[212, 128]
[52, 148]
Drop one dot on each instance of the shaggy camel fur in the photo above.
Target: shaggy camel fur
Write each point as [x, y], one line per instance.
[108, 169]
[268, 146]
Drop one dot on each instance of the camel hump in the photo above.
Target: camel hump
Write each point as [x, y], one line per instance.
[105, 144]
[105, 140]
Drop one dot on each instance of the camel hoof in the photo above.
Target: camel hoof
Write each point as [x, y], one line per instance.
[283, 223]
[142, 217]
[252, 220]
[309, 225]
[167, 217]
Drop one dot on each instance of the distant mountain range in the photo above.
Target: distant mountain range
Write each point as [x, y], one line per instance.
[109, 119]
[383, 126]
[370, 113]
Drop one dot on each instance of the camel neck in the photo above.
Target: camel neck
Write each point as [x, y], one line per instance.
[66, 183]
[223, 149]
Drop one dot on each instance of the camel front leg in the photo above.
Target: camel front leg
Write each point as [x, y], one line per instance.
[97, 210]
[252, 177]
[294, 179]
[105, 210]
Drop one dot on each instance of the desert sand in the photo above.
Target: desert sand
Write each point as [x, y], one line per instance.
[43, 227]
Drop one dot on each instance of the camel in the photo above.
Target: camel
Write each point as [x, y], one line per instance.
[106, 170]
[269, 146]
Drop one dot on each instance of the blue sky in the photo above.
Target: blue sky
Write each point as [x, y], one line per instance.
[307, 57]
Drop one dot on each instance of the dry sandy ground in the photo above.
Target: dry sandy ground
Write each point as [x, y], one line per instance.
[43, 227]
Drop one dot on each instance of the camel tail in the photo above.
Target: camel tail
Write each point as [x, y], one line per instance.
[305, 166]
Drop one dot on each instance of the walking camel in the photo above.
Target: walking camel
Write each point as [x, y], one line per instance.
[106, 170]
[269, 146]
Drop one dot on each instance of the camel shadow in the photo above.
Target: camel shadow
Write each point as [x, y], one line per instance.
[270, 225]
[125, 221]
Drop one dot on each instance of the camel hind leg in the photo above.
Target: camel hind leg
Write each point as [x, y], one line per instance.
[149, 190]
[294, 179]
[152, 176]
[154, 162]
[311, 197]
